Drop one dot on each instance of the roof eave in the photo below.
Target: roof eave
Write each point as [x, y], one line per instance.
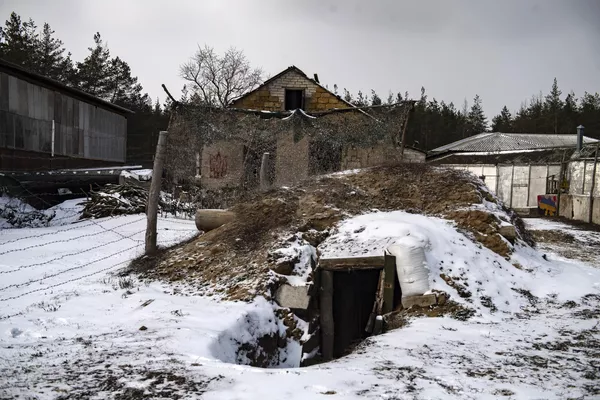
[17, 70]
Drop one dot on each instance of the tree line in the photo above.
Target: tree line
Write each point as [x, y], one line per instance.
[217, 79]
[436, 123]
[99, 73]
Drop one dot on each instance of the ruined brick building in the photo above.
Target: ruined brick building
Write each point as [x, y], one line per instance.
[229, 163]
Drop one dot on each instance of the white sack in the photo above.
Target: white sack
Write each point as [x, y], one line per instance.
[411, 265]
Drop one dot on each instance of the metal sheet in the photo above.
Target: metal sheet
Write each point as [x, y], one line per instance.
[520, 187]
[537, 183]
[504, 183]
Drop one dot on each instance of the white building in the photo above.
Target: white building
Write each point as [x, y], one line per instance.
[514, 166]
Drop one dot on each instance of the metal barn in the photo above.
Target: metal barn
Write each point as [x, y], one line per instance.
[47, 125]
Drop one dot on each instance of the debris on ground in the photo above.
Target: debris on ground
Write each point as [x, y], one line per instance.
[127, 199]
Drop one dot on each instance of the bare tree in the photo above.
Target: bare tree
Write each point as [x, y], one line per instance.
[217, 80]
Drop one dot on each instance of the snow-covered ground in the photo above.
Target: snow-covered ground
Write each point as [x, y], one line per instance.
[70, 328]
[564, 240]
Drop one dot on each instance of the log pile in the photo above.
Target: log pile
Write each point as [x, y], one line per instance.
[128, 199]
[115, 200]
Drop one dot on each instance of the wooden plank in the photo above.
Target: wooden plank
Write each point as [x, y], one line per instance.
[4, 92]
[389, 283]
[13, 94]
[354, 262]
[326, 315]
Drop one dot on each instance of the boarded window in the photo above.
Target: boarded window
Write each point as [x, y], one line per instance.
[294, 99]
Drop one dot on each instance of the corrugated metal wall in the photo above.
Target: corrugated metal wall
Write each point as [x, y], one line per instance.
[516, 185]
[81, 129]
[579, 174]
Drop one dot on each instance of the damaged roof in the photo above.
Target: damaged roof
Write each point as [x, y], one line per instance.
[498, 142]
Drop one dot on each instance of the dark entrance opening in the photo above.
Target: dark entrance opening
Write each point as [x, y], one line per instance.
[325, 157]
[252, 163]
[294, 99]
[354, 294]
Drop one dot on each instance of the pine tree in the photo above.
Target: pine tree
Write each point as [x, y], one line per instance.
[554, 105]
[535, 113]
[348, 96]
[68, 72]
[477, 121]
[570, 114]
[121, 86]
[19, 42]
[590, 114]
[50, 59]
[503, 122]
[361, 100]
[390, 98]
[375, 99]
[93, 72]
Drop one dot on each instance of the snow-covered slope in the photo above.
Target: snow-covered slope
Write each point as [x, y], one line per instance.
[480, 272]
[69, 328]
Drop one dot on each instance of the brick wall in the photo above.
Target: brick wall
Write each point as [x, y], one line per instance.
[272, 96]
[363, 157]
[222, 164]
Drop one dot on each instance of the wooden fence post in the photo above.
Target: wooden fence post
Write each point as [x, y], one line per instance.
[152, 206]
[591, 212]
[326, 315]
[389, 283]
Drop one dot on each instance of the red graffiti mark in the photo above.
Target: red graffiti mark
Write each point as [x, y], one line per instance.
[218, 166]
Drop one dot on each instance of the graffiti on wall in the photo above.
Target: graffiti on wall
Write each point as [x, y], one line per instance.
[218, 165]
[547, 204]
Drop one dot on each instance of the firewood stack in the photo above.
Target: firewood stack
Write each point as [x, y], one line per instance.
[115, 200]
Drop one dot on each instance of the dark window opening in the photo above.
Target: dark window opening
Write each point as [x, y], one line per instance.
[294, 99]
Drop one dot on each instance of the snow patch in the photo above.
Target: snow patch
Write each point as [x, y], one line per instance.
[258, 338]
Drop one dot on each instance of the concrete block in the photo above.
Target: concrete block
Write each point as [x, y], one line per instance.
[508, 231]
[425, 300]
[295, 297]
[566, 206]
[581, 207]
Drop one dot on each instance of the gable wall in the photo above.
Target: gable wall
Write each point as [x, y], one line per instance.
[272, 96]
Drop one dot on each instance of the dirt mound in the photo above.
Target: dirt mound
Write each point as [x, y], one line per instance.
[485, 228]
[233, 259]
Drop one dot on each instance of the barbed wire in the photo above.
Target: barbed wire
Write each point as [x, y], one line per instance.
[22, 267]
[70, 239]
[44, 234]
[29, 282]
[63, 283]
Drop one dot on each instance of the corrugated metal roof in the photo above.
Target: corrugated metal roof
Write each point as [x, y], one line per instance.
[40, 80]
[492, 142]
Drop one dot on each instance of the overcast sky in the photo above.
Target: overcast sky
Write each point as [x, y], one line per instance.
[505, 51]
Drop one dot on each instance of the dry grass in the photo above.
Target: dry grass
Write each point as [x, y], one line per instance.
[233, 259]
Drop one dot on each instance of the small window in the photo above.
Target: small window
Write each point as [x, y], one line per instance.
[294, 99]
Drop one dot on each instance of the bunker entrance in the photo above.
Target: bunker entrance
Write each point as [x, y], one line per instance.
[354, 293]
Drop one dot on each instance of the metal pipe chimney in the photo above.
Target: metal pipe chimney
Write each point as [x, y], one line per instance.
[580, 130]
